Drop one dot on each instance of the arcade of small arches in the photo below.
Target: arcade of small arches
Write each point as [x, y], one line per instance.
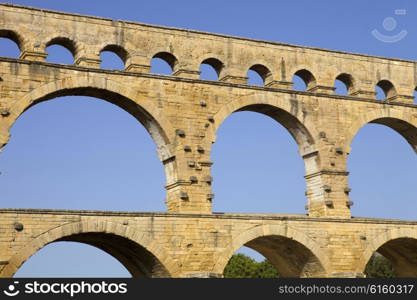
[384, 88]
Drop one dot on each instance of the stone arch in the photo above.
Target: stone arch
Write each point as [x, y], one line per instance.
[65, 42]
[292, 69]
[283, 111]
[215, 63]
[402, 122]
[262, 60]
[290, 115]
[158, 126]
[12, 35]
[349, 81]
[387, 87]
[120, 51]
[263, 71]
[168, 57]
[308, 78]
[140, 254]
[399, 245]
[292, 252]
[15, 37]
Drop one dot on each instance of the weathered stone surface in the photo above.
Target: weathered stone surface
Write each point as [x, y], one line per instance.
[182, 114]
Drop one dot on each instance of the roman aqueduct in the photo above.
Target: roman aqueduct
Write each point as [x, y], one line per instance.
[181, 112]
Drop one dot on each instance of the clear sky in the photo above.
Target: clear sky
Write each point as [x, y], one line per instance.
[84, 153]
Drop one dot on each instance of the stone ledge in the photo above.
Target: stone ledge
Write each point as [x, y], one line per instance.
[327, 172]
[214, 215]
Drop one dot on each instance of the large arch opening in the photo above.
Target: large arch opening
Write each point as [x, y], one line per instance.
[382, 168]
[257, 166]
[273, 256]
[125, 257]
[395, 258]
[84, 153]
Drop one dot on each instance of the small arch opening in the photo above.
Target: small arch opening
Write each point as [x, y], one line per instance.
[210, 69]
[379, 93]
[163, 63]
[9, 44]
[343, 84]
[340, 88]
[61, 50]
[303, 80]
[254, 78]
[298, 83]
[113, 57]
[257, 74]
[384, 90]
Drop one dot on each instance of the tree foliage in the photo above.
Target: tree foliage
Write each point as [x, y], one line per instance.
[379, 267]
[242, 266]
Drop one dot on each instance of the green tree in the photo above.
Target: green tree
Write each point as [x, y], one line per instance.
[266, 270]
[379, 267]
[242, 266]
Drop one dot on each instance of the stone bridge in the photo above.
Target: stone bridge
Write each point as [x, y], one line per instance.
[182, 114]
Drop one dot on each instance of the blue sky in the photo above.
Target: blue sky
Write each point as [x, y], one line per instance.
[106, 159]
